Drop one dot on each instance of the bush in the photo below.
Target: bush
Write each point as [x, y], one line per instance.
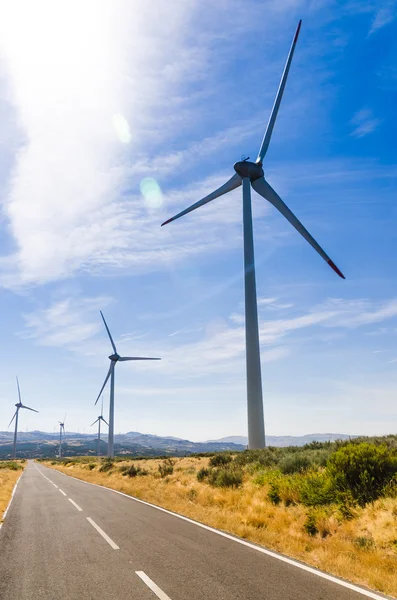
[106, 465]
[132, 471]
[11, 465]
[220, 460]
[365, 543]
[294, 463]
[274, 493]
[225, 477]
[266, 457]
[316, 489]
[166, 467]
[202, 474]
[362, 471]
[91, 466]
[310, 525]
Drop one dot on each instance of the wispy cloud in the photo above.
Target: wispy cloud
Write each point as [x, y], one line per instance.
[68, 322]
[385, 14]
[364, 123]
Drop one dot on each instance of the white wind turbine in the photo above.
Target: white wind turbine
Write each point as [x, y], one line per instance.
[98, 420]
[251, 174]
[61, 430]
[114, 358]
[18, 405]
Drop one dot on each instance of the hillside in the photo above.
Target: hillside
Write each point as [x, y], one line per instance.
[40, 444]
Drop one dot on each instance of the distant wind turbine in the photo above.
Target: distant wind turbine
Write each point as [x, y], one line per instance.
[251, 174]
[114, 358]
[61, 429]
[99, 419]
[19, 405]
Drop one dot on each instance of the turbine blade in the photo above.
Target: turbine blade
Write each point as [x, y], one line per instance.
[264, 189]
[106, 380]
[233, 183]
[94, 422]
[27, 407]
[15, 414]
[104, 420]
[19, 391]
[124, 358]
[64, 418]
[277, 102]
[110, 337]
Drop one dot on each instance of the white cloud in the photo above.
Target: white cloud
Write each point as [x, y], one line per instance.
[68, 322]
[384, 15]
[218, 348]
[364, 123]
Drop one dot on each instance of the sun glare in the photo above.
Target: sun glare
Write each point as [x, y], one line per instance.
[151, 192]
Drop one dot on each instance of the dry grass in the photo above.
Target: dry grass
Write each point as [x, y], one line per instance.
[8, 479]
[362, 550]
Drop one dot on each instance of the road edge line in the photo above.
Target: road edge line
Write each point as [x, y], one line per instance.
[291, 561]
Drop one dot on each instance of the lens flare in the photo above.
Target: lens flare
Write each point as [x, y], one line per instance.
[122, 128]
[151, 192]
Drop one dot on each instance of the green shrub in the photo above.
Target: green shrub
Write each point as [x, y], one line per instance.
[225, 477]
[91, 466]
[220, 460]
[132, 471]
[274, 493]
[316, 489]
[310, 525]
[266, 457]
[166, 467]
[106, 465]
[362, 471]
[11, 465]
[294, 463]
[365, 543]
[202, 474]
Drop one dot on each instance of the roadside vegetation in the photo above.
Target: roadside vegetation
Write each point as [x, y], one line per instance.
[331, 505]
[10, 470]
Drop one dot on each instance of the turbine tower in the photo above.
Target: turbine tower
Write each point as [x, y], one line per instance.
[61, 429]
[251, 174]
[114, 358]
[99, 419]
[19, 405]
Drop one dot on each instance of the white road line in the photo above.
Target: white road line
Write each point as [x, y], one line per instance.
[155, 588]
[289, 561]
[103, 534]
[55, 485]
[62, 492]
[11, 499]
[75, 505]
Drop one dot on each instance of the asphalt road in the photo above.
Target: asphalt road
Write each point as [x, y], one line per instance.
[66, 540]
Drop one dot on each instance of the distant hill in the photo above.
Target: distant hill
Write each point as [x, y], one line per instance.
[36, 444]
[286, 440]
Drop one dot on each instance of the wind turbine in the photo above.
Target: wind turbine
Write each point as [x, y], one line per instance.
[19, 405]
[251, 174]
[61, 429]
[99, 419]
[114, 358]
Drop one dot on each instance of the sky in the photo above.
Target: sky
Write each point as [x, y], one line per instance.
[117, 115]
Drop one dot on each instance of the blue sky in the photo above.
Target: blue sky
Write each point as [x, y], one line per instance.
[97, 96]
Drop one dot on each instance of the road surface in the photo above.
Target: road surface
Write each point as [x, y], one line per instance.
[64, 539]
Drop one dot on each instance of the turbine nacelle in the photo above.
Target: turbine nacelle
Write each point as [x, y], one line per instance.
[252, 170]
[114, 357]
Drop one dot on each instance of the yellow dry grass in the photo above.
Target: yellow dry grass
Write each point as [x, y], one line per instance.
[8, 479]
[362, 550]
